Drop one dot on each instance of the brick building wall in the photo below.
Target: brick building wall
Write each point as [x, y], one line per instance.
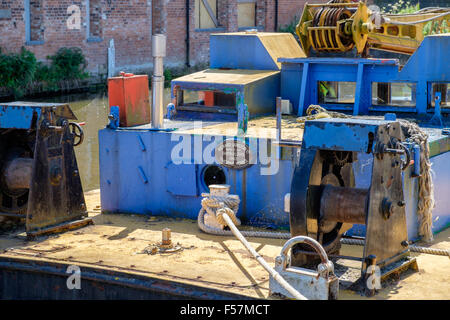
[129, 23]
[291, 10]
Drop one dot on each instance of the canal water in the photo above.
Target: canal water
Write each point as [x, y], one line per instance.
[93, 109]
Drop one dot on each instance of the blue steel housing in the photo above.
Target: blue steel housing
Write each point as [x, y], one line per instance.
[428, 65]
[139, 170]
[140, 174]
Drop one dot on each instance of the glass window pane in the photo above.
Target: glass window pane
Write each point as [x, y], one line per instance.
[209, 99]
[394, 94]
[336, 92]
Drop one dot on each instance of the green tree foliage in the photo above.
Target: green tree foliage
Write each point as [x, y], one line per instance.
[17, 70]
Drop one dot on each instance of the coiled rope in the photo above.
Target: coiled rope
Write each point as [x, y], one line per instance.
[214, 205]
[317, 112]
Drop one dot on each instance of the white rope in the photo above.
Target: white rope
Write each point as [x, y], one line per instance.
[217, 206]
[388, 20]
[276, 276]
[212, 204]
[224, 208]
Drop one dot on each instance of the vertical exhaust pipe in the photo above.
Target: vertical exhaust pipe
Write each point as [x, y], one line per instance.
[158, 52]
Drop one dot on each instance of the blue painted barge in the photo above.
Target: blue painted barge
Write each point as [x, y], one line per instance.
[164, 172]
[156, 177]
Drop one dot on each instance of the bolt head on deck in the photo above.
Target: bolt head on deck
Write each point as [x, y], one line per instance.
[166, 238]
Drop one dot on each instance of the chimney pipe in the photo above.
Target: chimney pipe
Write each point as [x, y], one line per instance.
[158, 53]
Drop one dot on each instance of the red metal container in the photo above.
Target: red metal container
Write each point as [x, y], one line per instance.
[131, 94]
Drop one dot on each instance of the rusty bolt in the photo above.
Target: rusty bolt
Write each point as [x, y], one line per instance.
[166, 237]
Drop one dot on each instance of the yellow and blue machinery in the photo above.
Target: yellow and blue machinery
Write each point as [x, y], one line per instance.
[341, 25]
[364, 85]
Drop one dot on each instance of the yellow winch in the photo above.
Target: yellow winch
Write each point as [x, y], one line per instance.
[340, 25]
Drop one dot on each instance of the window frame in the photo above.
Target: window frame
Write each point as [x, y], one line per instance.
[215, 20]
[28, 41]
[90, 38]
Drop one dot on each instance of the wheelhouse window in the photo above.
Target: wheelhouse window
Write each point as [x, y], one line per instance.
[206, 101]
[342, 92]
[400, 94]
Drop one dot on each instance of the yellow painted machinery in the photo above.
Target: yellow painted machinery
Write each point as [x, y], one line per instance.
[341, 25]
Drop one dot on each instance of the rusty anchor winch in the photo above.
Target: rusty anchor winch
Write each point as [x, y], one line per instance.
[324, 202]
[39, 178]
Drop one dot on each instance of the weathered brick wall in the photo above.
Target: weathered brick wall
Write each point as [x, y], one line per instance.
[95, 18]
[129, 26]
[270, 15]
[291, 10]
[12, 29]
[176, 32]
